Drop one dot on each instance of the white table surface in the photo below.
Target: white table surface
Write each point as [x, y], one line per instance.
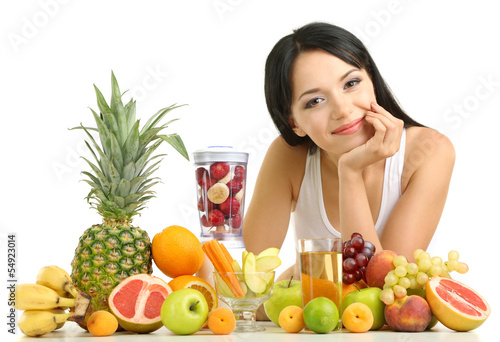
[72, 332]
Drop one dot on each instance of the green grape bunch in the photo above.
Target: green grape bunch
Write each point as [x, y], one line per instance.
[414, 275]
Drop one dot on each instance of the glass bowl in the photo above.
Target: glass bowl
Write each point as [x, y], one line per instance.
[244, 292]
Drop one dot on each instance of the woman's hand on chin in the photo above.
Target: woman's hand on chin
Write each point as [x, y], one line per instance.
[384, 143]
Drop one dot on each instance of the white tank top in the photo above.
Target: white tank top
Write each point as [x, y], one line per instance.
[310, 219]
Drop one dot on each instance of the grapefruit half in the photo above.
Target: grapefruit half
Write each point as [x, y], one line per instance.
[136, 302]
[456, 306]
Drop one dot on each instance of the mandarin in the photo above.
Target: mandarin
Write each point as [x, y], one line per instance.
[177, 251]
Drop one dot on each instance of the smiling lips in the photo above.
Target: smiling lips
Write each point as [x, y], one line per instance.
[350, 127]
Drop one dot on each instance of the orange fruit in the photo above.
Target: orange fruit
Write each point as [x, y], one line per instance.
[350, 288]
[456, 306]
[221, 321]
[291, 319]
[177, 251]
[102, 323]
[197, 283]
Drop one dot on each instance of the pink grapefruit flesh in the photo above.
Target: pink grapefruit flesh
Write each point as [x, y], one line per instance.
[136, 302]
[456, 305]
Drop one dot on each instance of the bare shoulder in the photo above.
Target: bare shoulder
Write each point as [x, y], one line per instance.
[288, 161]
[427, 148]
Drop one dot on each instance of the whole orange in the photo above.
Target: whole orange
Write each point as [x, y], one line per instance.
[177, 251]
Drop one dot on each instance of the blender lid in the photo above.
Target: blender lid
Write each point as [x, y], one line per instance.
[219, 153]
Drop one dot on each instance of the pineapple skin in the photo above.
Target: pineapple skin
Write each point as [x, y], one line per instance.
[107, 254]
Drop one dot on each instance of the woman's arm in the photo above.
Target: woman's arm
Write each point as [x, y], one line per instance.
[429, 160]
[268, 215]
[428, 169]
[354, 209]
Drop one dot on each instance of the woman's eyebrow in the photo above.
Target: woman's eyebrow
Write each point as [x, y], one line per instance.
[347, 73]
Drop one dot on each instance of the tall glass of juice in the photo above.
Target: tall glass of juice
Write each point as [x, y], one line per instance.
[321, 270]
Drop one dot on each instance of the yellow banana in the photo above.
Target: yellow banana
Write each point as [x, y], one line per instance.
[58, 280]
[58, 311]
[38, 297]
[36, 323]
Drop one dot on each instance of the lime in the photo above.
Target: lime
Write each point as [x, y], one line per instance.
[321, 315]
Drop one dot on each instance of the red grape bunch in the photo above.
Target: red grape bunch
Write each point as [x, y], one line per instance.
[356, 253]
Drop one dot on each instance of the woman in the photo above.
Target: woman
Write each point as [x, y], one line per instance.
[348, 158]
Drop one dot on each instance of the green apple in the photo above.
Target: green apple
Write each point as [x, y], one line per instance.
[285, 293]
[185, 312]
[255, 283]
[272, 251]
[267, 263]
[370, 297]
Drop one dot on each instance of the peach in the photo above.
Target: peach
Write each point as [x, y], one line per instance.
[378, 267]
[410, 313]
[357, 318]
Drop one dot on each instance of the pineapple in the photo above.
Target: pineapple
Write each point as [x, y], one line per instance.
[121, 182]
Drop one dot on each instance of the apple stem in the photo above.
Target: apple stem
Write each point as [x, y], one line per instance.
[356, 286]
[191, 308]
[290, 282]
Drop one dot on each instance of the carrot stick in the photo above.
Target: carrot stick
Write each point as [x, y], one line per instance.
[227, 261]
[222, 265]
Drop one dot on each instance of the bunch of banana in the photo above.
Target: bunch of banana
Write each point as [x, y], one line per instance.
[45, 302]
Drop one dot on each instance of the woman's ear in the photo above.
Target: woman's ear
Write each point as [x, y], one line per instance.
[296, 129]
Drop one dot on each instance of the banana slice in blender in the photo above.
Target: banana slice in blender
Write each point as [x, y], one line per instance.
[218, 193]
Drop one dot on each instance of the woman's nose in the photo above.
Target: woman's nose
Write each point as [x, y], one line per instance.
[341, 107]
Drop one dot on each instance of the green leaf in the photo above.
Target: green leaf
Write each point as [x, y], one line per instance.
[101, 101]
[136, 183]
[156, 118]
[176, 142]
[130, 108]
[113, 174]
[129, 171]
[144, 159]
[132, 198]
[110, 121]
[118, 110]
[131, 146]
[104, 133]
[123, 187]
[120, 201]
[98, 173]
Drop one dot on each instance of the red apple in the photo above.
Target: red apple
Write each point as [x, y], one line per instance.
[378, 267]
[410, 313]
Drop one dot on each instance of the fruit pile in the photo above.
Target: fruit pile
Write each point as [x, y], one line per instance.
[221, 187]
[384, 288]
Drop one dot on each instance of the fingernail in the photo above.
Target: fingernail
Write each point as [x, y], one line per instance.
[374, 105]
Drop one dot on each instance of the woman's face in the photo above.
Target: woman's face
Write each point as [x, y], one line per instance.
[330, 99]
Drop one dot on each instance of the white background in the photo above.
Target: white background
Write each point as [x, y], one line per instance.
[439, 58]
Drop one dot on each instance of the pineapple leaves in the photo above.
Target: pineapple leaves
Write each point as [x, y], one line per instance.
[176, 142]
[120, 175]
[118, 109]
[131, 146]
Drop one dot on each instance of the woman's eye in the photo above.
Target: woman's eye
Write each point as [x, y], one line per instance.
[314, 102]
[351, 83]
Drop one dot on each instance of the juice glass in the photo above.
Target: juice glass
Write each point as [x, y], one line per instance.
[321, 270]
